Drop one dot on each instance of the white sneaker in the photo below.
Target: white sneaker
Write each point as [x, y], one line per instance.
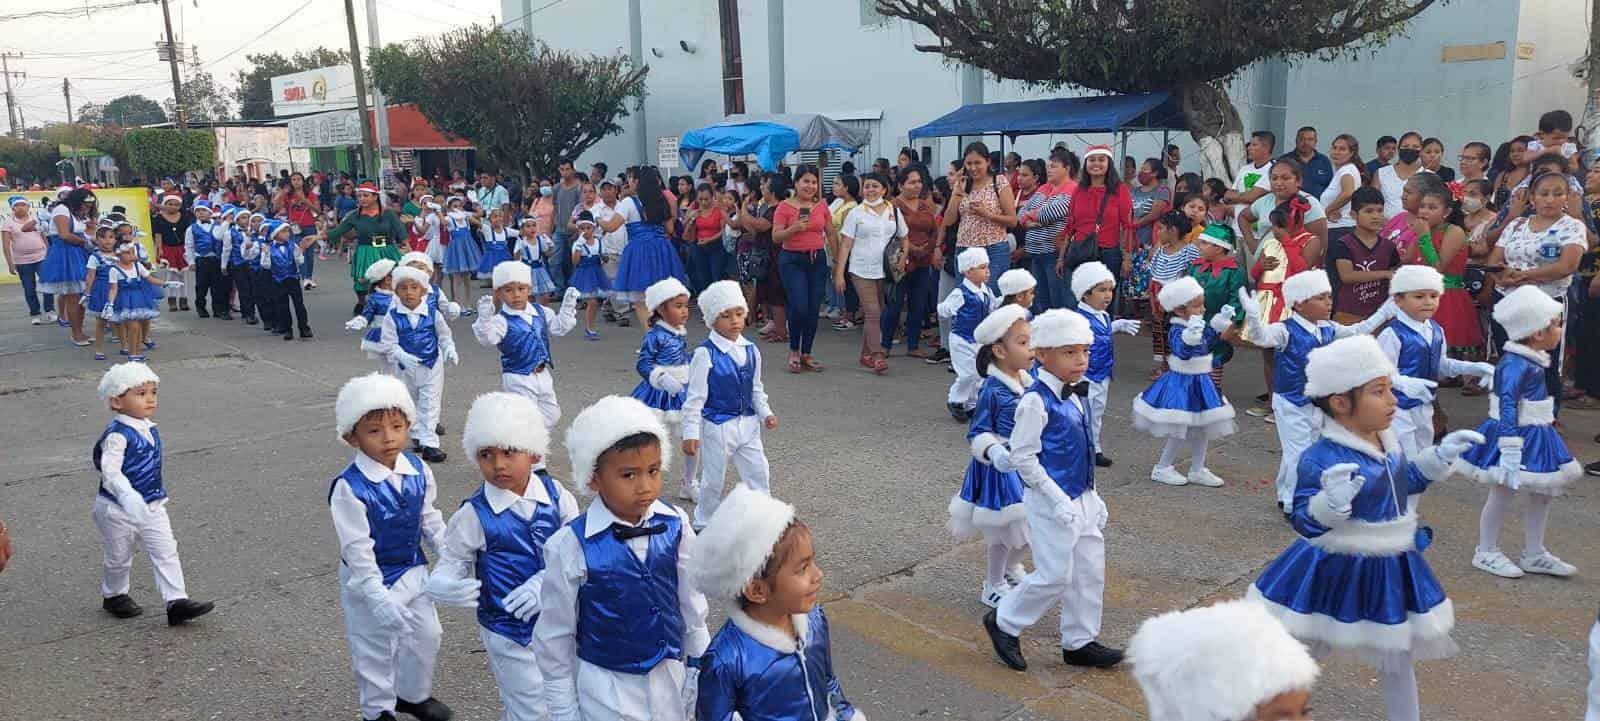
[1169, 476]
[49, 316]
[1496, 563]
[36, 320]
[1014, 575]
[993, 594]
[1547, 564]
[686, 492]
[1204, 477]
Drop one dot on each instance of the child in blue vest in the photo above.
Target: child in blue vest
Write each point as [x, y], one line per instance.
[1415, 344]
[521, 331]
[1183, 405]
[383, 512]
[1016, 288]
[263, 291]
[663, 364]
[417, 342]
[376, 305]
[1356, 581]
[772, 659]
[966, 307]
[205, 246]
[618, 615]
[493, 556]
[1094, 287]
[131, 507]
[1523, 450]
[1053, 452]
[437, 300]
[726, 406]
[281, 258]
[240, 274]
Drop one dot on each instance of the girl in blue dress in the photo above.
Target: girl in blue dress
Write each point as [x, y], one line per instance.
[98, 278]
[461, 254]
[130, 299]
[1355, 581]
[531, 248]
[587, 275]
[66, 260]
[990, 501]
[1183, 405]
[663, 364]
[1523, 451]
[497, 240]
[649, 255]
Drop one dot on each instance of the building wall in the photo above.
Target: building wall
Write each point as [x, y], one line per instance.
[1558, 33]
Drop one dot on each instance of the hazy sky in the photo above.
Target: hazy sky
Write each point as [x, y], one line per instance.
[117, 54]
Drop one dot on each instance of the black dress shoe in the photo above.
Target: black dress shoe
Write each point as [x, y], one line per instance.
[184, 609]
[250, 320]
[305, 334]
[288, 336]
[433, 455]
[438, 428]
[121, 606]
[202, 312]
[1006, 646]
[958, 412]
[385, 716]
[429, 709]
[1101, 460]
[224, 315]
[1093, 655]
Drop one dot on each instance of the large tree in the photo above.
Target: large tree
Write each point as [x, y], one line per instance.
[522, 104]
[203, 100]
[254, 91]
[130, 111]
[1189, 47]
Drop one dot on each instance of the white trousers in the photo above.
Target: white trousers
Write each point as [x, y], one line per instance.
[740, 440]
[426, 386]
[1593, 713]
[1298, 428]
[516, 672]
[964, 359]
[1098, 393]
[612, 696]
[1414, 427]
[120, 535]
[1069, 568]
[390, 665]
[541, 388]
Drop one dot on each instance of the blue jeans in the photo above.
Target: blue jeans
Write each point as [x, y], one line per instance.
[29, 274]
[999, 262]
[913, 293]
[708, 264]
[309, 264]
[1053, 290]
[805, 275]
[560, 266]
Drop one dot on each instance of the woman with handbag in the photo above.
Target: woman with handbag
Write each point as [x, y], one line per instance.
[1100, 222]
[868, 231]
[918, 258]
[983, 208]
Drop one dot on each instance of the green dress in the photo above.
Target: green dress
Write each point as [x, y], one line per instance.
[377, 237]
[1221, 282]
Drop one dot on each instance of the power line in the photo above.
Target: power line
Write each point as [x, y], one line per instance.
[532, 12]
[263, 34]
[74, 12]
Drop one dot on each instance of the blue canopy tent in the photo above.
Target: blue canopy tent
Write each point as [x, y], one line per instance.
[768, 137]
[1091, 114]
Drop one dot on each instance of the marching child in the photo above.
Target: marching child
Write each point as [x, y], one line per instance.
[205, 246]
[1415, 344]
[1094, 287]
[966, 307]
[521, 331]
[772, 659]
[1231, 661]
[1523, 450]
[726, 405]
[532, 248]
[282, 258]
[239, 273]
[1053, 453]
[587, 275]
[461, 249]
[383, 512]
[437, 300]
[263, 291]
[617, 611]
[493, 554]
[417, 342]
[1356, 580]
[130, 300]
[990, 500]
[663, 363]
[376, 305]
[497, 239]
[131, 506]
[98, 281]
[1184, 405]
[1017, 287]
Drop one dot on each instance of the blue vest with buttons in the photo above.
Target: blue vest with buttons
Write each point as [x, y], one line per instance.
[1100, 354]
[394, 518]
[513, 551]
[1418, 358]
[1066, 451]
[730, 387]
[141, 461]
[628, 617]
[974, 308]
[280, 259]
[378, 303]
[526, 345]
[1289, 362]
[435, 299]
[206, 242]
[417, 335]
[235, 246]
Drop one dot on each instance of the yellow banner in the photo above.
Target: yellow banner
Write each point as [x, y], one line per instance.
[135, 203]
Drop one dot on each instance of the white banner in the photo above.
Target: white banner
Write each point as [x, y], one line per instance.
[340, 127]
[667, 151]
[312, 90]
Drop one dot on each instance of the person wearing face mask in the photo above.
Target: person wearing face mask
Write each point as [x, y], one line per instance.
[1391, 179]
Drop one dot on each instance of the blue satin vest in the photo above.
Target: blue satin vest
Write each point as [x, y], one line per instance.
[628, 616]
[1100, 355]
[974, 308]
[235, 246]
[141, 461]
[394, 518]
[513, 551]
[378, 304]
[730, 387]
[1067, 454]
[760, 682]
[206, 242]
[417, 335]
[1418, 358]
[526, 345]
[1289, 362]
[280, 257]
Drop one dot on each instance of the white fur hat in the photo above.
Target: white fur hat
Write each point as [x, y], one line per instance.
[406, 272]
[1525, 311]
[1016, 281]
[662, 291]
[1089, 275]
[971, 258]
[1059, 327]
[380, 269]
[505, 420]
[1217, 663]
[1179, 292]
[123, 377]
[416, 256]
[719, 297]
[1345, 364]
[1304, 285]
[364, 394]
[512, 271]
[601, 425]
[1408, 278]
[738, 542]
[994, 327]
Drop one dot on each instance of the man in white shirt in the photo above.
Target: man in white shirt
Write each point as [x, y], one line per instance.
[611, 245]
[1251, 182]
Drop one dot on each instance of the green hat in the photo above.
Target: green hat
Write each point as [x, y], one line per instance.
[1218, 234]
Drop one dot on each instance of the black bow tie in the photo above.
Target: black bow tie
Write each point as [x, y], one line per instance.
[1079, 389]
[624, 532]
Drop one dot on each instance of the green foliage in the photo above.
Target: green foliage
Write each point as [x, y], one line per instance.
[76, 135]
[203, 100]
[160, 151]
[26, 160]
[254, 91]
[523, 105]
[131, 111]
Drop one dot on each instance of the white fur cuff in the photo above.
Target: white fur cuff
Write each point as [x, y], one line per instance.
[1321, 510]
[1431, 465]
[980, 445]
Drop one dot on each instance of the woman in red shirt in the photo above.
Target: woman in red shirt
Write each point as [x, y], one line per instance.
[298, 204]
[1110, 226]
[801, 225]
[708, 260]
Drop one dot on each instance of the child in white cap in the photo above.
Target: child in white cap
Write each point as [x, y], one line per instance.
[663, 364]
[618, 613]
[521, 331]
[437, 300]
[383, 512]
[1416, 345]
[966, 307]
[1184, 406]
[205, 246]
[773, 658]
[1523, 450]
[131, 506]
[726, 404]
[1231, 661]
[1093, 288]
[1016, 288]
[417, 342]
[380, 296]
[493, 556]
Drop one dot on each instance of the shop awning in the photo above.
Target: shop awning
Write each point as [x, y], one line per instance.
[1093, 114]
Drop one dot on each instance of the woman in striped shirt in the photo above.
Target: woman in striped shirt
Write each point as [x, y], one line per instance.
[1044, 215]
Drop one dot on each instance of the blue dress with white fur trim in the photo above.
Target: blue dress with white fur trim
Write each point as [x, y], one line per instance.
[1360, 584]
[1184, 398]
[762, 673]
[663, 346]
[1521, 407]
[990, 501]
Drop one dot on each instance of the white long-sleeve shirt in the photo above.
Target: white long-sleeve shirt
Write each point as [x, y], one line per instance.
[490, 328]
[355, 534]
[219, 236]
[112, 449]
[463, 536]
[952, 303]
[1275, 335]
[389, 335]
[700, 372]
[1389, 341]
[1027, 431]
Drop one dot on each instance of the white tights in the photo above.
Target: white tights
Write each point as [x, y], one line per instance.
[1001, 558]
[1197, 450]
[1534, 519]
[1400, 693]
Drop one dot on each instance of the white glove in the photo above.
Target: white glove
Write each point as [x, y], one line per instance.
[1340, 484]
[661, 378]
[523, 601]
[1456, 443]
[449, 355]
[404, 359]
[1510, 468]
[1418, 388]
[1252, 309]
[395, 617]
[1060, 505]
[1194, 329]
[188, 258]
[358, 323]
[679, 373]
[452, 310]
[133, 504]
[83, 300]
[1223, 320]
[1478, 369]
[1000, 458]
[691, 691]
[107, 312]
[1125, 325]
[569, 301]
[450, 591]
[486, 305]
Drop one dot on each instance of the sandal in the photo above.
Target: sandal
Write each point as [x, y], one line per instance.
[867, 361]
[810, 364]
[794, 363]
[880, 365]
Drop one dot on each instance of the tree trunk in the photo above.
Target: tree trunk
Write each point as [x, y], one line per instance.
[1214, 124]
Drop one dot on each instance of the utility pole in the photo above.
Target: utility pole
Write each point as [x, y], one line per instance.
[66, 92]
[172, 62]
[369, 158]
[379, 103]
[11, 101]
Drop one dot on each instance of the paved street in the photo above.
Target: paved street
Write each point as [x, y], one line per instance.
[870, 462]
